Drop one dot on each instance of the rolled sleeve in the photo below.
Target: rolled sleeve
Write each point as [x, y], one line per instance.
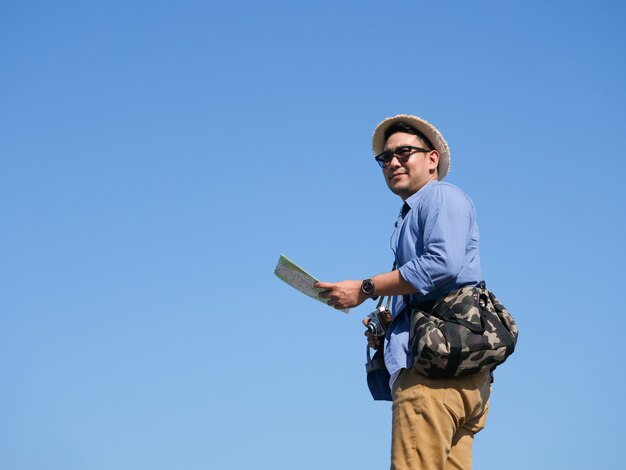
[440, 226]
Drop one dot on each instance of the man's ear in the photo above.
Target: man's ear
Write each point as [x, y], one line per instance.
[433, 159]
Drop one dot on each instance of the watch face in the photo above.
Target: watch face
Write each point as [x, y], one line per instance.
[367, 287]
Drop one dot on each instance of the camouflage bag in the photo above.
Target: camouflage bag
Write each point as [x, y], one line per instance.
[466, 331]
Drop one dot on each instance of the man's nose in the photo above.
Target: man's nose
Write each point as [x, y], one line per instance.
[393, 162]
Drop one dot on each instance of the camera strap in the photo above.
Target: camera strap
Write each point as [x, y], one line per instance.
[380, 302]
[382, 298]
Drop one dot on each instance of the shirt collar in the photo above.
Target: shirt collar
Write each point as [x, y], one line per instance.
[412, 199]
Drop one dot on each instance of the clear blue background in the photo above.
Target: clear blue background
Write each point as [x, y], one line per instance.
[157, 157]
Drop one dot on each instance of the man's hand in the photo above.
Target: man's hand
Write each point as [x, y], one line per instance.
[374, 342]
[344, 294]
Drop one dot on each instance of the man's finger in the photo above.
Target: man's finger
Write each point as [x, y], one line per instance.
[322, 285]
[326, 294]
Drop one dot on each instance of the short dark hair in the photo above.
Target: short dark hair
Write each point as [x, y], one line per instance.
[405, 128]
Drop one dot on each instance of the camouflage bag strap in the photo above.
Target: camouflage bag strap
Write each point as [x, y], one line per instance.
[445, 312]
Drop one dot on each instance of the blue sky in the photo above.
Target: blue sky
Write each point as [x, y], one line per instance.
[157, 158]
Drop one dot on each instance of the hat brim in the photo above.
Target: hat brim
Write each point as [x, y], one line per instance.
[426, 128]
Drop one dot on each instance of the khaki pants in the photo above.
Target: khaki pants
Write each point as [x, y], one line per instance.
[434, 420]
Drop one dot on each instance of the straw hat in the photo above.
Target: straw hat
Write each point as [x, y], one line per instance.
[426, 128]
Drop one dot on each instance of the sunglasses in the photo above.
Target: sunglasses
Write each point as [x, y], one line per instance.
[402, 154]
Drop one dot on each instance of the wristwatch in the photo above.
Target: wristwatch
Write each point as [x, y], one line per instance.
[368, 288]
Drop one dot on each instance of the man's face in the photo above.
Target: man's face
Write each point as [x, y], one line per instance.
[408, 177]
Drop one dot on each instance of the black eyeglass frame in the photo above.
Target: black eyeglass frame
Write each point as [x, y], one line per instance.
[385, 157]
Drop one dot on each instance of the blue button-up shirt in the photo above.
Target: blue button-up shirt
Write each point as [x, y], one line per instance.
[436, 248]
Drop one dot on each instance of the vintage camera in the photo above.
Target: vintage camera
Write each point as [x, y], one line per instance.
[378, 321]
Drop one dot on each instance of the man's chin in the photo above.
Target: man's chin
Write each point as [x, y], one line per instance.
[398, 190]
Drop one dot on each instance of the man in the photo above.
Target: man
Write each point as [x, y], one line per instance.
[435, 243]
